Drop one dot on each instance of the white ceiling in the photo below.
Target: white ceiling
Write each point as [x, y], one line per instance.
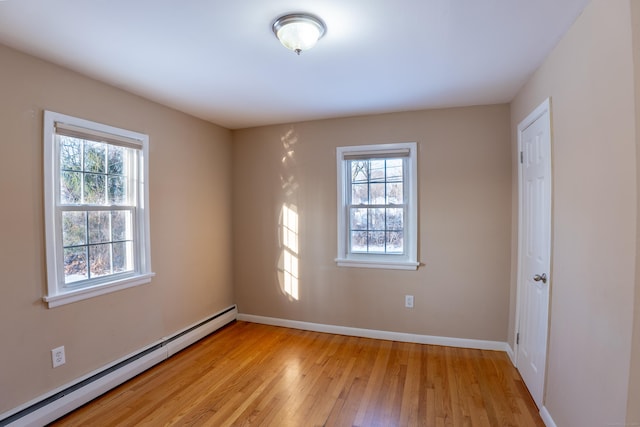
[219, 60]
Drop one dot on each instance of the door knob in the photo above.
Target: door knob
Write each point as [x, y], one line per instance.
[540, 278]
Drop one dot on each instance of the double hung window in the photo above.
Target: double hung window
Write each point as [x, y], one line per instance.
[96, 208]
[377, 206]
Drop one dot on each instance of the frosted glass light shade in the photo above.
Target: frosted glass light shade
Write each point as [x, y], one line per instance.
[298, 32]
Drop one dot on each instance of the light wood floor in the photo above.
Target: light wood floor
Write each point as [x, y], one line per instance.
[251, 374]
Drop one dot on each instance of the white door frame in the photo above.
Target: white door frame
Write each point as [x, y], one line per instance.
[543, 108]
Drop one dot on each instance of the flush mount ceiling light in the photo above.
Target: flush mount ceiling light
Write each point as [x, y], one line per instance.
[298, 31]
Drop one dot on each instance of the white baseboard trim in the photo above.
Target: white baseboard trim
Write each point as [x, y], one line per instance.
[546, 417]
[511, 354]
[75, 399]
[382, 335]
[194, 333]
[51, 406]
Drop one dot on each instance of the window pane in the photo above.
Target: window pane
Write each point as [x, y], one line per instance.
[359, 241]
[377, 171]
[74, 228]
[359, 219]
[359, 194]
[395, 219]
[394, 170]
[75, 264]
[122, 257]
[99, 224]
[117, 190]
[94, 157]
[395, 242]
[70, 188]
[121, 225]
[359, 171]
[395, 193]
[94, 189]
[377, 219]
[376, 241]
[70, 153]
[100, 260]
[377, 196]
[116, 160]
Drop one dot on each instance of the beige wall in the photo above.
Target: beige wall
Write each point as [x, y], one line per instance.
[190, 214]
[590, 81]
[462, 290]
[633, 405]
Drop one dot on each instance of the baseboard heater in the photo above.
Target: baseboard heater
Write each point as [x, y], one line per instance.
[48, 408]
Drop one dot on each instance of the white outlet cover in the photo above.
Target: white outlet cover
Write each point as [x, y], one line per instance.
[57, 356]
[408, 301]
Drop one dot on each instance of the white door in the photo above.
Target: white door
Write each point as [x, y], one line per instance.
[534, 141]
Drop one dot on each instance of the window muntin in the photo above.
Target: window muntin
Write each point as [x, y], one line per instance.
[96, 216]
[377, 206]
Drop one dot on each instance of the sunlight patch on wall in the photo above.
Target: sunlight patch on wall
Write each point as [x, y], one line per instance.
[288, 264]
[288, 175]
[290, 250]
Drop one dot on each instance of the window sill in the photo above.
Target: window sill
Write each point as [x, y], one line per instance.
[94, 291]
[388, 265]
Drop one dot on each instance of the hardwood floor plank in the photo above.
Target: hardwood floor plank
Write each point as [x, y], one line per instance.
[368, 410]
[410, 402]
[256, 375]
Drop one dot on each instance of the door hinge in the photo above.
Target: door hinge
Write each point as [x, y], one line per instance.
[518, 338]
[521, 157]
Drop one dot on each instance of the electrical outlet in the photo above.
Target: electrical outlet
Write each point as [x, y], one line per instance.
[57, 357]
[408, 301]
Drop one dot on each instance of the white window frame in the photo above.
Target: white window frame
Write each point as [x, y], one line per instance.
[57, 292]
[409, 259]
